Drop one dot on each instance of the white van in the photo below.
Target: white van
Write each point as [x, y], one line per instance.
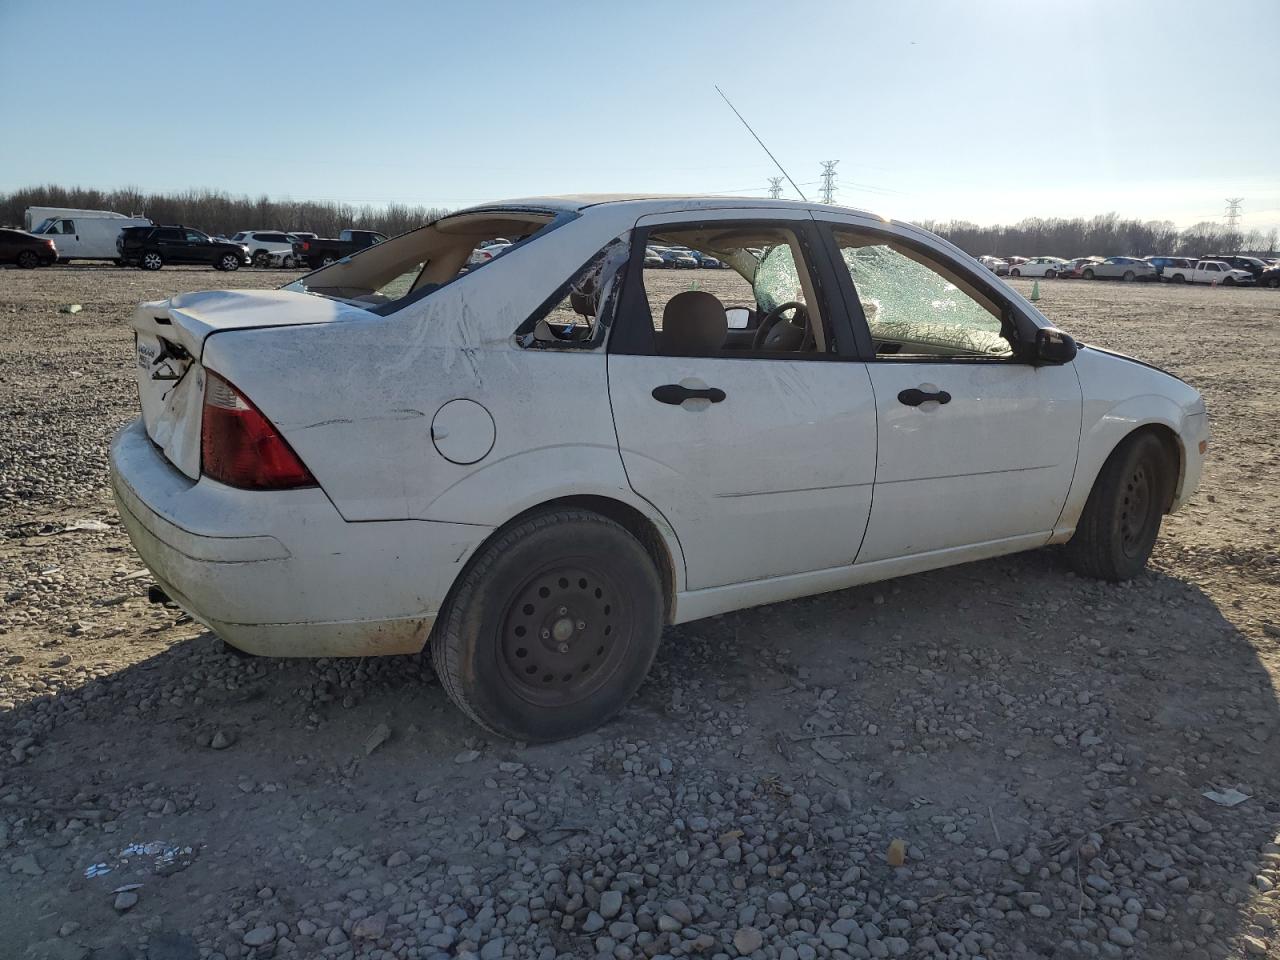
[87, 237]
[33, 217]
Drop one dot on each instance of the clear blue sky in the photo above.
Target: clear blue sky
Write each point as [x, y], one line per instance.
[988, 110]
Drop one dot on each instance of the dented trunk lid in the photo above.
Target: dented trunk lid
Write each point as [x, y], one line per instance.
[169, 341]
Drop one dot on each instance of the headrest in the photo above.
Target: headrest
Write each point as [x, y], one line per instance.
[693, 324]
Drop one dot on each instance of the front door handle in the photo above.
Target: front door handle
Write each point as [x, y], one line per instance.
[676, 394]
[915, 396]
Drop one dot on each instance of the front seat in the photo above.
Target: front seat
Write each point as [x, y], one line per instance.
[693, 325]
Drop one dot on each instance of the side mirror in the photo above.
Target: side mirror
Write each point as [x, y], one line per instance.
[1054, 347]
[737, 318]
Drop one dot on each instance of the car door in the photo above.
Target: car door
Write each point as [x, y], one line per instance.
[762, 460]
[977, 447]
[199, 248]
[67, 239]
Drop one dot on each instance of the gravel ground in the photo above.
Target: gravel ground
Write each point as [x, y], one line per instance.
[997, 760]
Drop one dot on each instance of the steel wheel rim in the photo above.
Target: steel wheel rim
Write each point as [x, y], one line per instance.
[1135, 510]
[564, 633]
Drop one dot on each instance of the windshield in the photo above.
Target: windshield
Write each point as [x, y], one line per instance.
[43, 225]
[421, 261]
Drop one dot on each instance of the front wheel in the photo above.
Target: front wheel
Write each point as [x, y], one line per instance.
[552, 628]
[27, 260]
[1014, 272]
[1121, 518]
[1050, 274]
[1129, 276]
[228, 261]
[1088, 274]
[151, 261]
[262, 259]
[1229, 282]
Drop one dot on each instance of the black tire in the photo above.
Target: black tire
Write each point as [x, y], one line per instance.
[1229, 282]
[261, 259]
[1121, 518]
[28, 260]
[1129, 276]
[1088, 274]
[328, 259]
[151, 261]
[1274, 283]
[1014, 272]
[228, 261]
[552, 628]
[1050, 274]
[1177, 278]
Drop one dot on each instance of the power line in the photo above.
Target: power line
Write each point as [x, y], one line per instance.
[775, 187]
[828, 180]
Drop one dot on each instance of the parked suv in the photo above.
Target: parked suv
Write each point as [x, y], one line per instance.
[152, 247]
[263, 243]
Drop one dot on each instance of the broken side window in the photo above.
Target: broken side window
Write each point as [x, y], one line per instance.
[578, 313]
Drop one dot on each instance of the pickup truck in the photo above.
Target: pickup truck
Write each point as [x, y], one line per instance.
[1208, 271]
[321, 251]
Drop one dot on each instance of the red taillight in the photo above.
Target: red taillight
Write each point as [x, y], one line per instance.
[240, 447]
[306, 244]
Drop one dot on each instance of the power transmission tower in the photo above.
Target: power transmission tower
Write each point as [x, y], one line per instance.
[775, 188]
[828, 180]
[1233, 213]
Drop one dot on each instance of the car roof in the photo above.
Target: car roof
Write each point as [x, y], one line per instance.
[656, 203]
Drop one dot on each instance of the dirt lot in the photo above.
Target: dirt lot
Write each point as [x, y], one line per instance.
[1040, 744]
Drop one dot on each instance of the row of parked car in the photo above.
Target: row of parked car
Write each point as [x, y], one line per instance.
[58, 234]
[1226, 269]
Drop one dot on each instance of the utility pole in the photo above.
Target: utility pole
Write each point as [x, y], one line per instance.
[828, 180]
[775, 188]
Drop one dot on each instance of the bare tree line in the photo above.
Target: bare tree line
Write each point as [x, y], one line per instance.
[1104, 235]
[221, 213]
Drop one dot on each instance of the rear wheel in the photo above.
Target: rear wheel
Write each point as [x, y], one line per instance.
[1050, 274]
[27, 260]
[1274, 283]
[1129, 276]
[553, 627]
[327, 259]
[1088, 274]
[228, 261]
[1014, 272]
[1177, 278]
[1121, 518]
[261, 258]
[151, 261]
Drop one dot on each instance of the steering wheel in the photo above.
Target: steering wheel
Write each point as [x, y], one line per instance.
[774, 317]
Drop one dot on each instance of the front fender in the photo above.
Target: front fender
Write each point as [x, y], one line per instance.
[1105, 428]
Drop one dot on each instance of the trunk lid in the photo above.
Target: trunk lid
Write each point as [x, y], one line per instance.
[169, 340]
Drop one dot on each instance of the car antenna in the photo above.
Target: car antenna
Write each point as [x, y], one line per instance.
[761, 142]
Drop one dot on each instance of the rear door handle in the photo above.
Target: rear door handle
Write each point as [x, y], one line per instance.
[676, 394]
[915, 396]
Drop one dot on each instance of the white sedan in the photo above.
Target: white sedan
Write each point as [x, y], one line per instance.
[534, 466]
[1048, 267]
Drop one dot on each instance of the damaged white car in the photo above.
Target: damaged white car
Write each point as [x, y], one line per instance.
[532, 464]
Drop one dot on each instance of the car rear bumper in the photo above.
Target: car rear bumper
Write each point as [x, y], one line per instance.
[280, 573]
